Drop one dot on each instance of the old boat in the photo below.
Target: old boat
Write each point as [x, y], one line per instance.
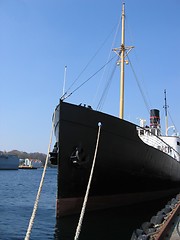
[133, 163]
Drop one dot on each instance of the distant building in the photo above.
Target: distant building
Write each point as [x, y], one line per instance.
[32, 162]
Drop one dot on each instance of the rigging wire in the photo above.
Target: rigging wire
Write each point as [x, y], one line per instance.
[139, 86]
[110, 53]
[167, 113]
[132, 40]
[172, 121]
[105, 92]
[86, 66]
[64, 97]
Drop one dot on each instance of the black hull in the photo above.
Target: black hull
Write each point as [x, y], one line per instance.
[126, 170]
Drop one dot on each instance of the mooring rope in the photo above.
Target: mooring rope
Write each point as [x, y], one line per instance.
[31, 222]
[78, 229]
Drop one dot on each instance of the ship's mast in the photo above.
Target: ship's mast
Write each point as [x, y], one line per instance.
[166, 115]
[122, 52]
[121, 106]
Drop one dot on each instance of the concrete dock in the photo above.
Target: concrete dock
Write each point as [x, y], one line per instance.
[169, 229]
[176, 231]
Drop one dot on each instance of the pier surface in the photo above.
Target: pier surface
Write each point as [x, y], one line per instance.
[165, 225]
[176, 232]
[170, 229]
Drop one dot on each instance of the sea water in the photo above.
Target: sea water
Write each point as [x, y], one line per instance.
[18, 191]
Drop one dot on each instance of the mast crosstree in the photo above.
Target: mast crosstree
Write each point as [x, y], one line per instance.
[122, 52]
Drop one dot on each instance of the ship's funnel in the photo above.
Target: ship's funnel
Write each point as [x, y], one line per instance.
[154, 118]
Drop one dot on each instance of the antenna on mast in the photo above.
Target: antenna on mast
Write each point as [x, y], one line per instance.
[122, 52]
[64, 83]
[166, 114]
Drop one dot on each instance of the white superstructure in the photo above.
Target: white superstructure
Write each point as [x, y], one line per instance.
[174, 142]
[152, 136]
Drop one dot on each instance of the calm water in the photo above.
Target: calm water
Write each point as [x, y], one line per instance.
[18, 191]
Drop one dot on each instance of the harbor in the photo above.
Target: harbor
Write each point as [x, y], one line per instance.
[142, 163]
[118, 223]
[112, 165]
[18, 190]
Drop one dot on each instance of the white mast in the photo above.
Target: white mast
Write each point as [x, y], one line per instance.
[121, 106]
[166, 115]
[122, 52]
[64, 83]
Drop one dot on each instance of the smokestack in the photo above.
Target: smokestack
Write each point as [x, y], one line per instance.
[154, 118]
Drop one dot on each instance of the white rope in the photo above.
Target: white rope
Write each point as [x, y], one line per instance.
[31, 222]
[78, 229]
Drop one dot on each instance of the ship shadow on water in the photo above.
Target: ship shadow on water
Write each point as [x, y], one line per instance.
[117, 223]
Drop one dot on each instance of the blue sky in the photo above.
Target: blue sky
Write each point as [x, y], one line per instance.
[40, 37]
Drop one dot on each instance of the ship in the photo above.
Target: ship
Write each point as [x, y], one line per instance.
[9, 162]
[133, 164]
[28, 164]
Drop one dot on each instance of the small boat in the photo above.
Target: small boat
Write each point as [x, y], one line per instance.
[133, 164]
[28, 165]
[9, 162]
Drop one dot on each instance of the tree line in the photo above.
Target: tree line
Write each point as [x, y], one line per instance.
[24, 155]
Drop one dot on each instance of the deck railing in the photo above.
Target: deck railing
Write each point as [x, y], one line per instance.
[153, 140]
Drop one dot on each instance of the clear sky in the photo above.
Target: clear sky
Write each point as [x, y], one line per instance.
[38, 38]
